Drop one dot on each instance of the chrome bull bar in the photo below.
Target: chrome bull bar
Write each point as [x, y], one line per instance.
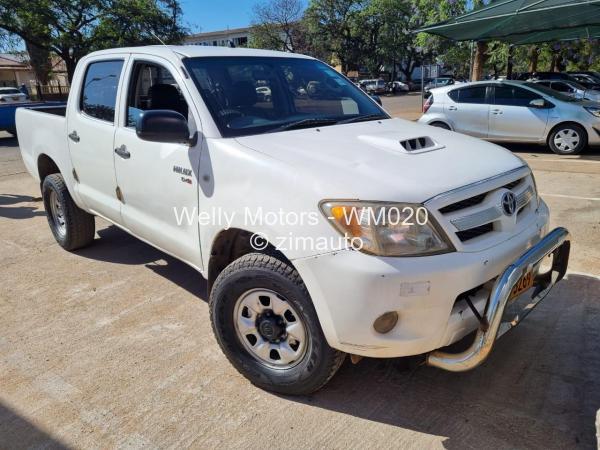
[557, 243]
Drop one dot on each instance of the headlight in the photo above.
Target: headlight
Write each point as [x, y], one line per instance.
[593, 110]
[387, 229]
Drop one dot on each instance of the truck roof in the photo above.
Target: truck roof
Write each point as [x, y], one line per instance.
[192, 51]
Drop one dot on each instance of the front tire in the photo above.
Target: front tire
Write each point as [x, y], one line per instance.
[567, 139]
[265, 322]
[71, 226]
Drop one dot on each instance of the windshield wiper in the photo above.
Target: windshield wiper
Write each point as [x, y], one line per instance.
[364, 118]
[305, 123]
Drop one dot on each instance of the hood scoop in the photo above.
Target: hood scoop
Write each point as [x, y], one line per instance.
[414, 145]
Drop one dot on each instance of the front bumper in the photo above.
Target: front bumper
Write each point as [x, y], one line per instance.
[496, 323]
[350, 290]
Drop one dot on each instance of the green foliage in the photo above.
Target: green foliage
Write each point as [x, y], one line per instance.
[73, 28]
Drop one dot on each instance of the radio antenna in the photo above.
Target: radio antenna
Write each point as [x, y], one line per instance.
[165, 45]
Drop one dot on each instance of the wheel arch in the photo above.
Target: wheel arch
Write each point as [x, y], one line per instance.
[46, 166]
[445, 122]
[231, 244]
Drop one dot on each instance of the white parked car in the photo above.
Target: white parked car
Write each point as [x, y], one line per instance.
[374, 86]
[323, 226]
[515, 111]
[11, 95]
[398, 86]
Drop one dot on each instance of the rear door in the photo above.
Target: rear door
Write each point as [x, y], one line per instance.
[469, 110]
[91, 131]
[513, 119]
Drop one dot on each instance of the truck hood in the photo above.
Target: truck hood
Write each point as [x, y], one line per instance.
[373, 161]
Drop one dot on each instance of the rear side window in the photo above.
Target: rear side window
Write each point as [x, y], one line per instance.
[99, 93]
[469, 95]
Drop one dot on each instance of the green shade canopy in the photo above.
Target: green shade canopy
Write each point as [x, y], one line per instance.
[524, 22]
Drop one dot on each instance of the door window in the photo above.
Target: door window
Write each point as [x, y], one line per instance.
[153, 87]
[513, 96]
[471, 95]
[99, 93]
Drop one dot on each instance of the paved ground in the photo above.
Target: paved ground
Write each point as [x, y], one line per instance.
[111, 347]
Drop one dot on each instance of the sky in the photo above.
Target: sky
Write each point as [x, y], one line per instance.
[214, 15]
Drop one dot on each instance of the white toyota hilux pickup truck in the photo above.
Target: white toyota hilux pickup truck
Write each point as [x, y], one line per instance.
[323, 226]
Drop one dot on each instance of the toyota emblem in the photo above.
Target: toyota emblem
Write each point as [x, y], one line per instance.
[509, 203]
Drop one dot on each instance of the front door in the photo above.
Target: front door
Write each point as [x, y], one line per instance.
[158, 181]
[512, 118]
[91, 131]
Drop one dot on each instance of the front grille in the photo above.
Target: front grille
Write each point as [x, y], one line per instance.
[476, 200]
[472, 233]
[472, 201]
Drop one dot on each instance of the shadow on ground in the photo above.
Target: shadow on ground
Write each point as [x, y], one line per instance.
[539, 389]
[9, 211]
[7, 140]
[116, 246]
[590, 153]
[18, 432]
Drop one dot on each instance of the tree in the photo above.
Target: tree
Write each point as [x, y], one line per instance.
[333, 32]
[277, 25]
[73, 28]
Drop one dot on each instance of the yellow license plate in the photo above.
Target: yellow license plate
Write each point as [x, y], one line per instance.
[524, 283]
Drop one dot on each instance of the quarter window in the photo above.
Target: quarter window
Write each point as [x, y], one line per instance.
[99, 93]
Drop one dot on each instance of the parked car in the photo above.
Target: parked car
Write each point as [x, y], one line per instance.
[458, 229]
[572, 89]
[8, 110]
[375, 86]
[415, 83]
[438, 82]
[587, 79]
[12, 95]
[595, 76]
[515, 111]
[562, 76]
[397, 86]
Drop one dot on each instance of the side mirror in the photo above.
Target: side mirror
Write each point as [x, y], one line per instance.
[163, 125]
[377, 99]
[540, 103]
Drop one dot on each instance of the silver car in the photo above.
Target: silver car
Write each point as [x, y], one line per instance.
[515, 111]
[572, 89]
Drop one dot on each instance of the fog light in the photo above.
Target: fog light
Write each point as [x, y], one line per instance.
[386, 322]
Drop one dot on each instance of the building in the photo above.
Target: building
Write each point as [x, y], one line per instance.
[238, 37]
[14, 70]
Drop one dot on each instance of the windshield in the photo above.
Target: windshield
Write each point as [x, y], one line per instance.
[9, 91]
[550, 92]
[253, 95]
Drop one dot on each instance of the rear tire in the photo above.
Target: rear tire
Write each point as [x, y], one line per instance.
[71, 226]
[290, 354]
[440, 125]
[567, 139]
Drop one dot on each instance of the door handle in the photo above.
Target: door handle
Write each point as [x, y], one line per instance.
[74, 136]
[452, 108]
[496, 111]
[123, 152]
